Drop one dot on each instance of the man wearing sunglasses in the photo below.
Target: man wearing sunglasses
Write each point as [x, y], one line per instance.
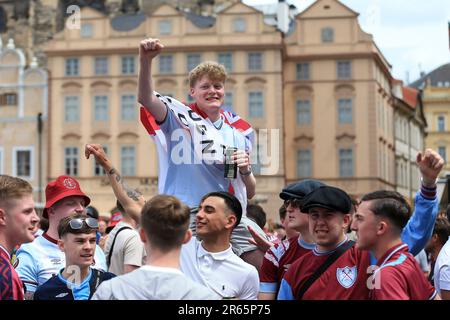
[40, 260]
[77, 281]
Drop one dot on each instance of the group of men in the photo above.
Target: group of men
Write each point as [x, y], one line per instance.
[194, 242]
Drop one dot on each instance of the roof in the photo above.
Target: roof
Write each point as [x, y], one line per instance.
[410, 96]
[127, 22]
[439, 75]
[199, 21]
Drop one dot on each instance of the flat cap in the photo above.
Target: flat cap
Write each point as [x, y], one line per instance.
[327, 197]
[300, 189]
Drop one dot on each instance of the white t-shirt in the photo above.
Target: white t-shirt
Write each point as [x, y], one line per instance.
[39, 260]
[128, 248]
[442, 269]
[153, 283]
[223, 272]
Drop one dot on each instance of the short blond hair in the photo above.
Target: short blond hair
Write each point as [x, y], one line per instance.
[13, 188]
[215, 72]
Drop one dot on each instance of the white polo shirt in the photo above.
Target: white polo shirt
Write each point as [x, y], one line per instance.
[442, 269]
[223, 272]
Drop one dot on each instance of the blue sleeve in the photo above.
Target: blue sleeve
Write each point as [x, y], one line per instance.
[27, 269]
[420, 226]
[285, 292]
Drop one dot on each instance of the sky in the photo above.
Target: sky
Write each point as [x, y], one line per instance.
[411, 34]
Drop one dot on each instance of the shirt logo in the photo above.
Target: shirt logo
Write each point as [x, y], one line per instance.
[346, 276]
[55, 261]
[62, 295]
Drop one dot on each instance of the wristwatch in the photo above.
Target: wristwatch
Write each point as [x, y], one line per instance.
[249, 172]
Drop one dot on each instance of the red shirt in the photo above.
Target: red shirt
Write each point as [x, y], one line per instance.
[11, 287]
[345, 279]
[278, 259]
[400, 277]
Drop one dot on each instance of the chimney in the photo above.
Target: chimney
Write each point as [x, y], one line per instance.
[283, 16]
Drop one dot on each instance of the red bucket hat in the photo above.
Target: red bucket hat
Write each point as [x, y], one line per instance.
[62, 187]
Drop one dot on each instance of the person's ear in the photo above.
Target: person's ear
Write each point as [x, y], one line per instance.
[61, 245]
[143, 235]
[187, 236]
[231, 221]
[2, 217]
[382, 227]
[347, 221]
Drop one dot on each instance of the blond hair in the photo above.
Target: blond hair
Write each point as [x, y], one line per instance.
[13, 188]
[215, 72]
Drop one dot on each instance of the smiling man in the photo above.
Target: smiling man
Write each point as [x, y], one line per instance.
[18, 221]
[211, 261]
[40, 260]
[77, 281]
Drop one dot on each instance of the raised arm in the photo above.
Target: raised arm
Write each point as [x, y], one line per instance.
[131, 200]
[148, 50]
[245, 170]
[420, 226]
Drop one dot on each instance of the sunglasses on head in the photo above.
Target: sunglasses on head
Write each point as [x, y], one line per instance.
[294, 203]
[77, 223]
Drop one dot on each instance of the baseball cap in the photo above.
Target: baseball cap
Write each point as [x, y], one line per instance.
[329, 198]
[62, 187]
[115, 219]
[300, 189]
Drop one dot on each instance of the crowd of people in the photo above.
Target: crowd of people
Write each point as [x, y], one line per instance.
[207, 242]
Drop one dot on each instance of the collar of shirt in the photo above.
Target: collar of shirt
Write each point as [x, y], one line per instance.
[306, 245]
[222, 255]
[46, 236]
[2, 248]
[388, 254]
[318, 252]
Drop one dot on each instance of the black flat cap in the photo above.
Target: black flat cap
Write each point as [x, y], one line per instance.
[300, 189]
[327, 197]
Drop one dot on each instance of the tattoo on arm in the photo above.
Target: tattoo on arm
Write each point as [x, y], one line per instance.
[131, 193]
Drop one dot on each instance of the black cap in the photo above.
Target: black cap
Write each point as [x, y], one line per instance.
[327, 197]
[300, 189]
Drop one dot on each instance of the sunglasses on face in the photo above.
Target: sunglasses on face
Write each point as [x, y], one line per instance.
[294, 203]
[77, 224]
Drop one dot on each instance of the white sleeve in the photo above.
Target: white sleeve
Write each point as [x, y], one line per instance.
[444, 277]
[250, 288]
[103, 292]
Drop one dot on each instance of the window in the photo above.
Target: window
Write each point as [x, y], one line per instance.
[303, 112]
[254, 61]
[71, 109]
[226, 58]
[72, 67]
[165, 27]
[100, 108]
[101, 65]
[304, 164]
[128, 107]
[441, 124]
[71, 161]
[8, 99]
[127, 160]
[86, 30]
[344, 69]
[23, 162]
[128, 65]
[443, 152]
[239, 25]
[327, 35]
[192, 60]
[165, 63]
[98, 169]
[345, 111]
[303, 71]
[345, 162]
[228, 101]
[255, 104]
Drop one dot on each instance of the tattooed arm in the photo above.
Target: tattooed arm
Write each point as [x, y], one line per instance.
[131, 199]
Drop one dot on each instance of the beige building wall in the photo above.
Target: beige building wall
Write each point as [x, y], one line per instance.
[436, 102]
[184, 37]
[23, 95]
[367, 138]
